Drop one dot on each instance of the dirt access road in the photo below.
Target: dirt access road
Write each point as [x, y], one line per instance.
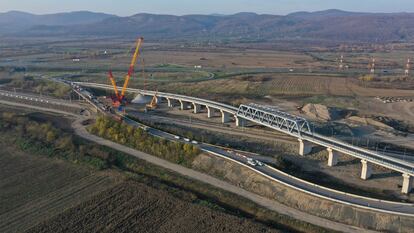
[81, 131]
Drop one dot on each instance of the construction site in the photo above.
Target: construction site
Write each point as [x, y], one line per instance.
[264, 136]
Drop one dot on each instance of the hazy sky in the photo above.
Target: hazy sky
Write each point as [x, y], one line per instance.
[180, 7]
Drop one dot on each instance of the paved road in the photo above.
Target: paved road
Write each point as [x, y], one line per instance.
[195, 123]
[44, 109]
[270, 204]
[339, 146]
[284, 178]
[399, 208]
[298, 184]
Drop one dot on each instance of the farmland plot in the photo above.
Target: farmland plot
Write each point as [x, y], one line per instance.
[135, 207]
[33, 189]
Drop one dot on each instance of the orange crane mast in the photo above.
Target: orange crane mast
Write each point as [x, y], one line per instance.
[111, 77]
[131, 67]
[119, 99]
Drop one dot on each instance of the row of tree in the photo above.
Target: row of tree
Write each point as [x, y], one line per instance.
[43, 138]
[40, 86]
[139, 139]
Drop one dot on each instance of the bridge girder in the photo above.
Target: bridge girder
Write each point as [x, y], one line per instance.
[275, 118]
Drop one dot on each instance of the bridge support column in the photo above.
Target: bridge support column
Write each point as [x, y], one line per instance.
[225, 116]
[197, 108]
[170, 103]
[210, 112]
[366, 170]
[333, 157]
[183, 105]
[407, 184]
[240, 122]
[305, 147]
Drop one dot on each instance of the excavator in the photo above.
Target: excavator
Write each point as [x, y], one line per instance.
[119, 100]
[153, 104]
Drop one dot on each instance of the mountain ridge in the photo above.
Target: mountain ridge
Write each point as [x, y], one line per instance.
[330, 24]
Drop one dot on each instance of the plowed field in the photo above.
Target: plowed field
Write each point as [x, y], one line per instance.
[135, 207]
[33, 189]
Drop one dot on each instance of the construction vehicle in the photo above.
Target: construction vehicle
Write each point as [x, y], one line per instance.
[119, 100]
[153, 104]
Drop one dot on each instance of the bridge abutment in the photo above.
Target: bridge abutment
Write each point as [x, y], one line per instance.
[366, 171]
[332, 157]
[407, 185]
[197, 108]
[225, 117]
[305, 147]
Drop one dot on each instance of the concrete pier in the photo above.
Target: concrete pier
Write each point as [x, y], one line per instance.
[170, 103]
[333, 157]
[407, 185]
[305, 147]
[240, 122]
[225, 117]
[366, 171]
[210, 112]
[197, 108]
[183, 105]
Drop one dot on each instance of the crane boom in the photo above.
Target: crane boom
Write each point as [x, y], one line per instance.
[131, 66]
[111, 77]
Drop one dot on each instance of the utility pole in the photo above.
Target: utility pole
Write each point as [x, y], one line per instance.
[407, 68]
[372, 66]
[341, 62]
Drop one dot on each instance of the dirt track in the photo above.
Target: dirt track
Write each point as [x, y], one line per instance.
[271, 205]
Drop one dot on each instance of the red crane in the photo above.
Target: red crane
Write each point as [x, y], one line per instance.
[119, 100]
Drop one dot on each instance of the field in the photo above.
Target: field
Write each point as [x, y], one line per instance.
[88, 186]
[283, 74]
[287, 77]
[134, 207]
[62, 197]
[33, 188]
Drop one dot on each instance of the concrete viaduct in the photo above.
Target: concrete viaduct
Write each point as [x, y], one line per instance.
[289, 124]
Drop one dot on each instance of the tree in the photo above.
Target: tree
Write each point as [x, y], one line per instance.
[50, 136]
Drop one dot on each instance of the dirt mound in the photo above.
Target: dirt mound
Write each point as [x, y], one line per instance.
[370, 121]
[141, 99]
[321, 112]
[135, 207]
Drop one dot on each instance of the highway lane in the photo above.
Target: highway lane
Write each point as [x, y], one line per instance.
[385, 161]
[37, 98]
[241, 159]
[313, 189]
[343, 147]
[262, 201]
[293, 182]
[317, 190]
[217, 127]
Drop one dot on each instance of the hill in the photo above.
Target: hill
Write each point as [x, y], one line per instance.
[323, 25]
[16, 21]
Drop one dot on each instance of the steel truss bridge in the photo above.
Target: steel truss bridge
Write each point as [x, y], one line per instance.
[276, 119]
